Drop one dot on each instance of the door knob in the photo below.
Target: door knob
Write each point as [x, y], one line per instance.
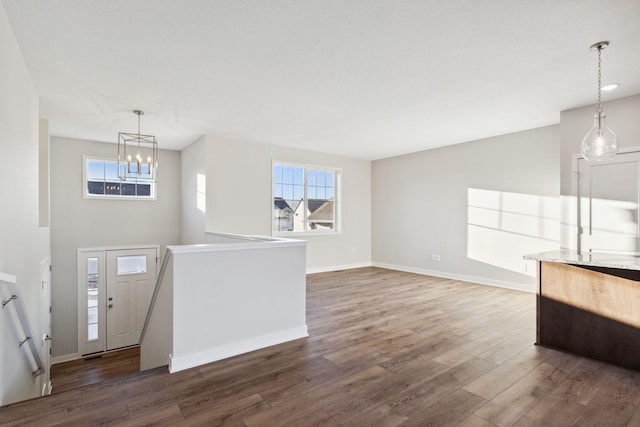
[110, 305]
[47, 337]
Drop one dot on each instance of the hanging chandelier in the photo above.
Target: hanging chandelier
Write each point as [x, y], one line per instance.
[601, 143]
[137, 155]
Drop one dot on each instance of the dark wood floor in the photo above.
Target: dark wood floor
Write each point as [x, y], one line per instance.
[93, 370]
[385, 348]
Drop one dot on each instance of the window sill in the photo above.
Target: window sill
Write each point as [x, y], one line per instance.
[107, 197]
[294, 234]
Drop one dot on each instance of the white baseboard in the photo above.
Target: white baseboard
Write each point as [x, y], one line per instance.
[46, 389]
[65, 358]
[181, 363]
[472, 279]
[338, 267]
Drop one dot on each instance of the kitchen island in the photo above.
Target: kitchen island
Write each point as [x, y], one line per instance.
[589, 304]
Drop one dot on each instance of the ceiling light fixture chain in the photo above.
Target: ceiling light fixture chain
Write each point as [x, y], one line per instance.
[139, 113]
[599, 47]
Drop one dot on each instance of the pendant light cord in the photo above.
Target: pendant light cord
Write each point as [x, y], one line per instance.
[599, 110]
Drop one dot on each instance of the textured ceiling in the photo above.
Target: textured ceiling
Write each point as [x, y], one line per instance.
[361, 78]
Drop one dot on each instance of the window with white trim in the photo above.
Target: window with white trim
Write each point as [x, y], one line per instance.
[101, 181]
[305, 198]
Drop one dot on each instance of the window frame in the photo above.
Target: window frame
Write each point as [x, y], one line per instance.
[337, 199]
[85, 181]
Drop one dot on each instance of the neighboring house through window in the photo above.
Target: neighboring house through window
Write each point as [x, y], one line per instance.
[101, 181]
[305, 198]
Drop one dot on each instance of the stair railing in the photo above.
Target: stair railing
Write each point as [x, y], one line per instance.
[27, 340]
[156, 289]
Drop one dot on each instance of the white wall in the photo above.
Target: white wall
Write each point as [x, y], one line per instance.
[81, 223]
[480, 206]
[193, 205]
[239, 199]
[43, 179]
[243, 300]
[23, 244]
[623, 117]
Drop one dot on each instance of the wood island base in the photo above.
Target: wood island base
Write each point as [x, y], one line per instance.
[590, 311]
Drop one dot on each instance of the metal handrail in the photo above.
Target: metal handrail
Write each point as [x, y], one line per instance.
[11, 283]
[152, 303]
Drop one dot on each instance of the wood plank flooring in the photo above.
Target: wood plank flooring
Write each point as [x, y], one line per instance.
[385, 348]
[77, 373]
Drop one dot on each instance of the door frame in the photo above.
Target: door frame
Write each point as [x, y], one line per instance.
[98, 346]
[575, 191]
[45, 324]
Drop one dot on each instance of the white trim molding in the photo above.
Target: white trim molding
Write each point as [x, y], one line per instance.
[464, 278]
[214, 354]
[65, 358]
[338, 267]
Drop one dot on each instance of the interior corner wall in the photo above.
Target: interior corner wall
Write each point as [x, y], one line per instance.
[469, 211]
[193, 183]
[238, 185]
[43, 179]
[77, 222]
[623, 116]
[23, 243]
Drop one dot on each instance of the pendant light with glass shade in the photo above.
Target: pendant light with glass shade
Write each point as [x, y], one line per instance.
[601, 143]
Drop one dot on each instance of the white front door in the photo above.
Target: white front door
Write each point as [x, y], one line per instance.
[610, 204]
[114, 291]
[131, 276]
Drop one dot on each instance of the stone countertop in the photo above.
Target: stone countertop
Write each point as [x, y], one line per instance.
[591, 259]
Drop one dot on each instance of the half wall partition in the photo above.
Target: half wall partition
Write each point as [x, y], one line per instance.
[219, 300]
